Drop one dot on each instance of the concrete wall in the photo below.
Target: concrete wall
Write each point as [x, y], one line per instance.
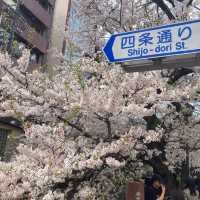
[15, 136]
[58, 30]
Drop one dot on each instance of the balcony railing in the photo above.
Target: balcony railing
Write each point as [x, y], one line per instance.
[38, 11]
[29, 34]
[12, 21]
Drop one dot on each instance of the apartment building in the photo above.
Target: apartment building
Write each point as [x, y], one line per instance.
[39, 25]
[32, 23]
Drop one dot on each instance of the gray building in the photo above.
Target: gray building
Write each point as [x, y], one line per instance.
[37, 24]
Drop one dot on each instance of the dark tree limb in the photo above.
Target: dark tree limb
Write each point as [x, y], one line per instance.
[164, 8]
[188, 4]
[106, 120]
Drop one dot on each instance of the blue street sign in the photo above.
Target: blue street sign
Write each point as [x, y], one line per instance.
[162, 41]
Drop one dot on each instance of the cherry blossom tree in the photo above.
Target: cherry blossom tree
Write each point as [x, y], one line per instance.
[77, 124]
[98, 19]
[108, 17]
[82, 136]
[181, 124]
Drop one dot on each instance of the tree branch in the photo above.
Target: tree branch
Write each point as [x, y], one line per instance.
[164, 8]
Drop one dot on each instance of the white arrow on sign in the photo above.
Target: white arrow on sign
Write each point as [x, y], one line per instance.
[162, 41]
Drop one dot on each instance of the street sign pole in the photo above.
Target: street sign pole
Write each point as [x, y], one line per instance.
[154, 43]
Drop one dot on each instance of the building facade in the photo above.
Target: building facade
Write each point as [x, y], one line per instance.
[58, 31]
[39, 25]
[31, 23]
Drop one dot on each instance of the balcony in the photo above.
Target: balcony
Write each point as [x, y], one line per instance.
[38, 11]
[31, 36]
[10, 20]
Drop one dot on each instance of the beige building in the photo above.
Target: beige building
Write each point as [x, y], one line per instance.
[57, 39]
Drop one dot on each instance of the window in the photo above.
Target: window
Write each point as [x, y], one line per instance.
[3, 140]
[44, 4]
[4, 35]
[18, 48]
[50, 9]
